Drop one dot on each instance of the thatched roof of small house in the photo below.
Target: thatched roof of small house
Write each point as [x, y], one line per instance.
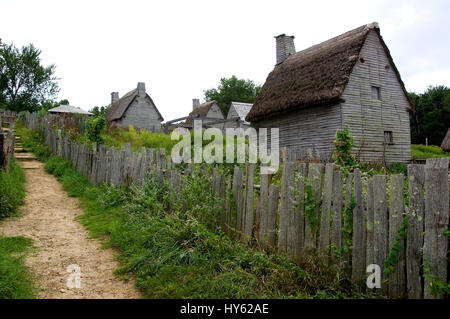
[315, 76]
[68, 109]
[117, 109]
[446, 142]
[202, 110]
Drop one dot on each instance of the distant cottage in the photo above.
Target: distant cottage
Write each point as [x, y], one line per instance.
[350, 80]
[134, 108]
[68, 109]
[208, 112]
[238, 111]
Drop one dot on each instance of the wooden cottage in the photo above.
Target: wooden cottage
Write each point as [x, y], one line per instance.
[236, 115]
[209, 112]
[68, 110]
[134, 108]
[446, 142]
[350, 80]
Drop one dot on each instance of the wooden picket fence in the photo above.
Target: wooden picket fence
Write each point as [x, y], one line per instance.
[7, 142]
[7, 117]
[347, 219]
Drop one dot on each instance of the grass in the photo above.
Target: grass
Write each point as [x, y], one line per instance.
[422, 151]
[15, 280]
[12, 190]
[178, 253]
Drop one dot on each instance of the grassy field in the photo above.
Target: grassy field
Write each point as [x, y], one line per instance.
[422, 151]
[175, 253]
[15, 279]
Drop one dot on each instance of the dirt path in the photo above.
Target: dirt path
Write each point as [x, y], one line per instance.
[48, 217]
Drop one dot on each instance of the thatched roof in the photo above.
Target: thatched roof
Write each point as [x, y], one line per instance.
[117, 109]
[446, 142]
[202, 110]
[68, 109]
[315, 76]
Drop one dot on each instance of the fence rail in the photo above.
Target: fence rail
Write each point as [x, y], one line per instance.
[349, 220]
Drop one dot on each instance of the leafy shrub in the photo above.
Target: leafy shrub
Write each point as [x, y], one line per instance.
[343, 144]
[422, 151]
[94, 129]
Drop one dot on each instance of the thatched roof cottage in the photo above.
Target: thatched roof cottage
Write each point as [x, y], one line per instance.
[208, 112]
[68, 109]
[134, 108]
[350, 80]
[446, 142]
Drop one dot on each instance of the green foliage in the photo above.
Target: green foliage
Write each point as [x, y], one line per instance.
[397, 246]
[119, 137]
[98, 111]
[24, 82]
[34, 141]
[437, 286]
[343, 144]
[16, 281]
[12, 190]
[422, 151]
[232, 90]
[430, 115]
[94, 129]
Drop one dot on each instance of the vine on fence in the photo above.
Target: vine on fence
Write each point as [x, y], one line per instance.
[392, 258]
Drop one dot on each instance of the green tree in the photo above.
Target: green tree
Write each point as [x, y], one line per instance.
[98, 111]
[24, 82]
[430, 117]
[232, 89]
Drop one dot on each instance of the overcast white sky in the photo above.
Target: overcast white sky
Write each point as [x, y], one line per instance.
[181, 48]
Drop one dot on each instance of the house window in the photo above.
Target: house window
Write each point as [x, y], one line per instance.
[376, 93]
[388, 137]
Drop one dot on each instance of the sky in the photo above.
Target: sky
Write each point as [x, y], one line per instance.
[181, 48]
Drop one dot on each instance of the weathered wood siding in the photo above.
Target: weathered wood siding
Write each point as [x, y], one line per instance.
[215, 112]
[141, 114]
[232, 114]
[368, 118]
[310, 131]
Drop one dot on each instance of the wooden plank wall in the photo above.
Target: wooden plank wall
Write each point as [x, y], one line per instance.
[309, 214]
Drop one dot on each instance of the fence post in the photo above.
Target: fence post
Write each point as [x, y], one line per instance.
[414, 236]
[358, 240]
[336, 235]
[311, 226]
[300, 212]
[436, 223]
[238, 198]
[263, 208]
[397, 279]
[380, 223]
[273, 211]
[369, 224]
[326, 207]
[248, 220]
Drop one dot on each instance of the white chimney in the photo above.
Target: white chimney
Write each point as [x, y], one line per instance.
[141, 88]
[114, 97]
[195, 103]
[285, 47]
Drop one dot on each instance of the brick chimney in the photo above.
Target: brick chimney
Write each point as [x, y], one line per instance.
[285, 47]
[195, 103]
[114, 97]
[141, 88]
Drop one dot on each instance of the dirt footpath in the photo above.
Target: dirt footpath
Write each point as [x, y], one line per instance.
[48, 217]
